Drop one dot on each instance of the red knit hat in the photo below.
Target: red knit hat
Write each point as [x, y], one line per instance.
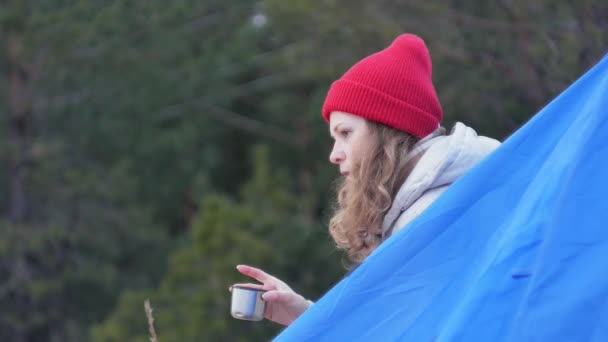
[392, 86]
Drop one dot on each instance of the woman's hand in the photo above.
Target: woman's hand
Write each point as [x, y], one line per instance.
[283, 304]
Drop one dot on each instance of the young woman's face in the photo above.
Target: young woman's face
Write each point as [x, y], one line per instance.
[350, 133]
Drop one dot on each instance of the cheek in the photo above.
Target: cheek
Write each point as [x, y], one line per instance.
[359, 145]
[358, 156]
[355, 153]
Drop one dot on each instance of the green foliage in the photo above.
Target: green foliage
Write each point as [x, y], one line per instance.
[264, 229]
[57, 281]
[126, 129]
[495, 64]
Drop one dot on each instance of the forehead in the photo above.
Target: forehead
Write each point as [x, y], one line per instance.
[337, 118]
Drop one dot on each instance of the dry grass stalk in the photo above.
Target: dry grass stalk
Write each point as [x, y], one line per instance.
[150, 321]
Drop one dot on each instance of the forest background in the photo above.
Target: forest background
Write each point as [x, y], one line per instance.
[147, 147]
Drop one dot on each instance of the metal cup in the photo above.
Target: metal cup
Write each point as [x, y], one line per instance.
[247, 303]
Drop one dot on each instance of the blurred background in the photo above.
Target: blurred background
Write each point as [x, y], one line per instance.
[147, 147]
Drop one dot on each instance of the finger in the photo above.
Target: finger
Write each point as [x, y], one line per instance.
[255, 273]
[279, 296]
[255, 286]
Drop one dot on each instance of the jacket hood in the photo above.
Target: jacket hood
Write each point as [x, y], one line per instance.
[444, 159]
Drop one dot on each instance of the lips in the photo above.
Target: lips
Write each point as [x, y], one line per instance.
[344, 173]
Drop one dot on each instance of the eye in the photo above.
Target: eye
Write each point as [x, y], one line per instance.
[345, 133]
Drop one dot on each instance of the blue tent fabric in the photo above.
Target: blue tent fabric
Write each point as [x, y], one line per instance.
[515, 250]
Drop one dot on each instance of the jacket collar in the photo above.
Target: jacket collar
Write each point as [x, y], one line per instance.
[441, 160]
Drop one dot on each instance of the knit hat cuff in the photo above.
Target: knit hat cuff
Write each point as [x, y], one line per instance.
[356, 98]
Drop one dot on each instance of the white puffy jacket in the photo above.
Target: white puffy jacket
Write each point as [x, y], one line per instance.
[444, 159]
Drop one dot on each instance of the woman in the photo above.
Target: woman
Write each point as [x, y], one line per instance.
[384, 116]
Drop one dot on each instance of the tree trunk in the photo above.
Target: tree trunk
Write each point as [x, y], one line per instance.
[19, 130]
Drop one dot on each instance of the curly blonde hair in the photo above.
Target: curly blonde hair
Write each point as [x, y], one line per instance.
[364, 198]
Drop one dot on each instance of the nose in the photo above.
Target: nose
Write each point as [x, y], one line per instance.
[336, 156]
